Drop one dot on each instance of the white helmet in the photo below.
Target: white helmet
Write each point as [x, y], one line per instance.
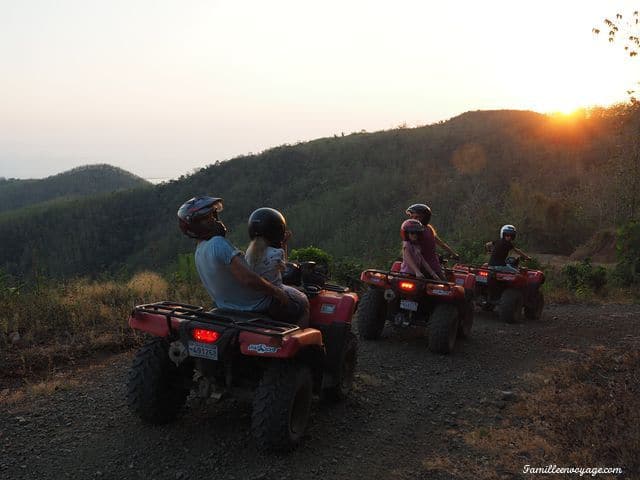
[508, 229]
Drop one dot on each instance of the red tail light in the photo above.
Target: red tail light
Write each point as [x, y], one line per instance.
[482, 273]
[205, 336]
[407, 286]
[373, 277]
[439, 289]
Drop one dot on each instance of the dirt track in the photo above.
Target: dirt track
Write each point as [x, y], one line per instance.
[406, 403]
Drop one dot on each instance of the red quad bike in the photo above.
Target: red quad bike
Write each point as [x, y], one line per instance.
[404, 300]
[221, 352]
[512, 293]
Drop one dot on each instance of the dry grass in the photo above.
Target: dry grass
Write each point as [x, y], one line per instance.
[60, 323]
[584, 414]
[149, 285]
[11, 398]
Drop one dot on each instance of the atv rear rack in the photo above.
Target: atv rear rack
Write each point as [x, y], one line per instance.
[248, 321]
[408, 276]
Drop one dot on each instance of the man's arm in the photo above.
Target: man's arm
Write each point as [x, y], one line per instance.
[250, 279]
[521, 253]
[444, 245]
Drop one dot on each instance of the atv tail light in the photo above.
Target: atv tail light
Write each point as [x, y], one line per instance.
[483, 273]
[439, 289]
[205, 336]
[373, 277]
[407, 286]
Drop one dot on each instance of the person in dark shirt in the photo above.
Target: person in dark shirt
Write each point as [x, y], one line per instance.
[429, 238]
[501, 248]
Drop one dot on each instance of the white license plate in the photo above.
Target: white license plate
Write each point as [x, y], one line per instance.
[203, 350]
[409, 305]
[481, 279]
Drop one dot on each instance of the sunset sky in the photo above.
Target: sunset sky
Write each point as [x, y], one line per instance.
[161, 87]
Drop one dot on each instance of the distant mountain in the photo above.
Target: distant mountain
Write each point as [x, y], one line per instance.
[79, 182]
[558, 180]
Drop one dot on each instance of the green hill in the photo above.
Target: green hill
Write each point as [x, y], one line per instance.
[79, 182]
[559, 180]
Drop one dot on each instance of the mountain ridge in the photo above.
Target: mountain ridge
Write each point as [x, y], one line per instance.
[80, 181]
[347, 194]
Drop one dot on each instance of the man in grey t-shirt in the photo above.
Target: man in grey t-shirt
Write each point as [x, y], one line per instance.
[222, 267]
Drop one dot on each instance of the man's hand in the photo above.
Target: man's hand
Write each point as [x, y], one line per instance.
[250, 279]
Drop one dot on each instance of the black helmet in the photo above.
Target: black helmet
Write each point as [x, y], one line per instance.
[420, 209]
[198, 218]
[268, 223]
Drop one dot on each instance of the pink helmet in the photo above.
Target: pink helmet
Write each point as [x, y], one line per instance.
[410, 226]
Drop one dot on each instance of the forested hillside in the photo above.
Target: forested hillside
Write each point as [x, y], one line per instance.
[559, 179]
[81, 181]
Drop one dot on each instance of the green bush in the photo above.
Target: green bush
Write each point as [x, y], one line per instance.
[311, 254]
[584, 278]
[347, 272]
[627, 270]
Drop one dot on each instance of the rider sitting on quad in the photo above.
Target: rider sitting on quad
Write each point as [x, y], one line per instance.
[267, 256]
[222, 267]
[429, 239]
[413, 262]
[500, 250]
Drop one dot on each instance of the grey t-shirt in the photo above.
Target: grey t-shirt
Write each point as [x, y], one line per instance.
[213, 262]
[271, 266]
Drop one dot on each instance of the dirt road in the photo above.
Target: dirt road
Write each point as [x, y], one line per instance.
[407, 402]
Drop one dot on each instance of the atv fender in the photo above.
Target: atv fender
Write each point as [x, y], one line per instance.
[329, 308]
[255, 344]
[156, 324]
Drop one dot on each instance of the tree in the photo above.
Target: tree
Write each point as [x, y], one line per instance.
[625, 30]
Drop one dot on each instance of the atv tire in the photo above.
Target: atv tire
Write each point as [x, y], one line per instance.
[372, 313]
[281, 406]
[465, 322]
[443, 328]
[511, 304]
[533, 311]
[343, 376]
[156, 388]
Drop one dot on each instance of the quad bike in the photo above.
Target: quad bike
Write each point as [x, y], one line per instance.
[512, 293]
[218, 353]
[403, 300]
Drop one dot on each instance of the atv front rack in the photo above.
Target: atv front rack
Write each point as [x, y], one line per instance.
[247, 321]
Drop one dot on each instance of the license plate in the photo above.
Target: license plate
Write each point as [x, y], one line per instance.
[202, 350]
[481, 279]
[409, 305]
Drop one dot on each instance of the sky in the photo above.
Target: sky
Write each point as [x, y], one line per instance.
[163, 87]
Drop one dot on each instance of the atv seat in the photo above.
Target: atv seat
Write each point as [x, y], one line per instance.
[239, 314]
[396, 266]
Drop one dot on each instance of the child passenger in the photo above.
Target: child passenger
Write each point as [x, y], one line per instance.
[413, 262]
[267, 256]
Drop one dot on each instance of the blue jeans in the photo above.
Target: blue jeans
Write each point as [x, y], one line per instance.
[296, 311]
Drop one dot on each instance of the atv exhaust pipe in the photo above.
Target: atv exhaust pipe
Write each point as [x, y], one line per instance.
[389, 295]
